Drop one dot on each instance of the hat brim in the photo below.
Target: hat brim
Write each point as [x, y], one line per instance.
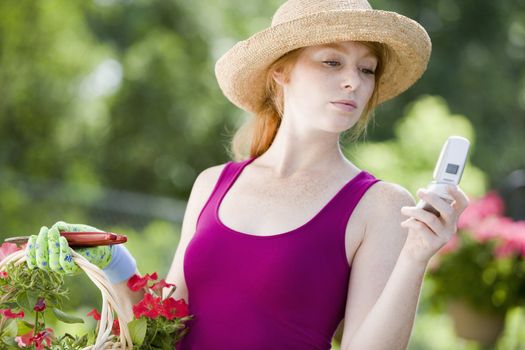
[241, 71]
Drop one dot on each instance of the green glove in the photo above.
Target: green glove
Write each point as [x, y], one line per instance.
[50, 251]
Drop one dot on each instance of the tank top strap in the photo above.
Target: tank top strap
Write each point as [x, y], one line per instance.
[228, 175]
[342, 205]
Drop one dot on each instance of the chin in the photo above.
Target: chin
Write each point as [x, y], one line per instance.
[337, 128]
[340, 124]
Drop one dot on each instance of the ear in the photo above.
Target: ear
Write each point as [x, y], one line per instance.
[278, 76]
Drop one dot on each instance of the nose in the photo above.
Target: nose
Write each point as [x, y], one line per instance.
[351, 79]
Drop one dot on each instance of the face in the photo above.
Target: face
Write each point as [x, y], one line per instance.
[329, 86]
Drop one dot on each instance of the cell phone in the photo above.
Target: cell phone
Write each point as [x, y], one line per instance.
[448, 171]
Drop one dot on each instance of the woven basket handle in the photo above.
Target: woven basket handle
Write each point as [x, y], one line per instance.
[109, 302]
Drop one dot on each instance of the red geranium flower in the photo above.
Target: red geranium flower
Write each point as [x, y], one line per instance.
[172, 308]
[149, 306]
[9, 314]
[136, 282]
[41, 337]
[28, 339]
[161, 284]
[116, 328]
[95, 314]
[40, 305]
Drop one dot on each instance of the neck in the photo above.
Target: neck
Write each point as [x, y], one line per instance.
[295, 153]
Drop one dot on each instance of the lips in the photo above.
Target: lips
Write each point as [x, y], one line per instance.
[346, 102]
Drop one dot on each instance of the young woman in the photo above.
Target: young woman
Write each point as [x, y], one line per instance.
[290, 238]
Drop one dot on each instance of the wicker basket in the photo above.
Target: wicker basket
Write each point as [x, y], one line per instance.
[109, 302]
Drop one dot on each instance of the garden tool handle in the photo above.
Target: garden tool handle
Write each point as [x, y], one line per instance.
[81, 239]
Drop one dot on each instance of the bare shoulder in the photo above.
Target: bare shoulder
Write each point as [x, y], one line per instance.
[200, 192]
[206, 180]
[385, 200]
[379, 208]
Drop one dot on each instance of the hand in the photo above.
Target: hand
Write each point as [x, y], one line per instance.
[50, 251]
[427, 233]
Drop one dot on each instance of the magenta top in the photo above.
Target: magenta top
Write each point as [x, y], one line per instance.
[284, 291]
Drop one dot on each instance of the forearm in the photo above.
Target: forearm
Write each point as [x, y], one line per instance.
[127, 298]
[389, 323]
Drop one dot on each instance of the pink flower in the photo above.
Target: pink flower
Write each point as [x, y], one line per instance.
[489, 205]
[512, 240]
[490, 227]
[6, 249]
[3, 275]
[25, 340]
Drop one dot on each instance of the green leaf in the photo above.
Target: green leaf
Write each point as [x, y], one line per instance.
[26, 300]
[91, 337]
[24, 327]
[10, 329]
[10, 341]
[137, 330]
[62, 316]
[81, 342]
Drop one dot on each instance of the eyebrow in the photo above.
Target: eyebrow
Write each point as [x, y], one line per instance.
[338, 47]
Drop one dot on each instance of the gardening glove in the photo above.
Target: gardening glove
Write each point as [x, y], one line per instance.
[50, 251]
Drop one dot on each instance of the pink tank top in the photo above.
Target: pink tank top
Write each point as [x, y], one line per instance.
[285, 291]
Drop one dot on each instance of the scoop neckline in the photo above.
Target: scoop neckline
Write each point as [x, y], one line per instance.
[282, 234]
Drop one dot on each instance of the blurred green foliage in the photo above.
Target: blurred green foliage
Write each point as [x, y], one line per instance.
[409, 158]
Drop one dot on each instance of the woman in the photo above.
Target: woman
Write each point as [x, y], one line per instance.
[269, 240]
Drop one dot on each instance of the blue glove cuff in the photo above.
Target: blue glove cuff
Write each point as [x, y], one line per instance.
[122, 265]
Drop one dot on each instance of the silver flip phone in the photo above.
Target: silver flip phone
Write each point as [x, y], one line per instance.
[448, 170]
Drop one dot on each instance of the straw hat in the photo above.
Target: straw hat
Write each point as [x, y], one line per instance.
[241, 72]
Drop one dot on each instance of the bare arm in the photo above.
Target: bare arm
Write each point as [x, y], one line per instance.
[385, 316]
[389, 323]
[383, 290]
[127, 298]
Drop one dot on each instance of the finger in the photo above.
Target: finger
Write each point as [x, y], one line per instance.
[61, 226]
[42, 249]
[460, 198]
[54, 249]
[417, 225]
[442, 206]
[31, 252]
[429, 219]
[66, 257]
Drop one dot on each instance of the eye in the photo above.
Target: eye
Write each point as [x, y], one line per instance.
[332, 63]
[368, 71]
